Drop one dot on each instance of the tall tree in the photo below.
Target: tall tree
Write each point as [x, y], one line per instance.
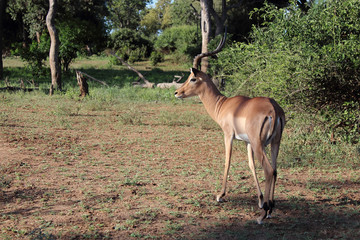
[206, 5]
[220, 16]
[81, 29]
[32, 15]
[184, 12]
[126, 13]
[54, 48]
[157, 18]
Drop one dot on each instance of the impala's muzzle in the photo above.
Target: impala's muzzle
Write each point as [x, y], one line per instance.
[177, 95]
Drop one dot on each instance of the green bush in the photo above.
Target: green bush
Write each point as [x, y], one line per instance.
[156, 57]
[35, 54]
[179, 39]
[307, 61]
[130, 45]
[78, 37]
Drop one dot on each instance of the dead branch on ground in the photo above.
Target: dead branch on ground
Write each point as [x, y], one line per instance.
[22, 86]
[91, 78]
[146, 84]
[175, 83]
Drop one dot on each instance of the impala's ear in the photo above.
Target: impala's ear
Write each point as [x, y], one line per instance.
[194, 71]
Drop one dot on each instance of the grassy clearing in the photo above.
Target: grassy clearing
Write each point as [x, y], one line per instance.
[135, 163]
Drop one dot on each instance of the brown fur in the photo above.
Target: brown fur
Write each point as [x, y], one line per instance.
[258, 121]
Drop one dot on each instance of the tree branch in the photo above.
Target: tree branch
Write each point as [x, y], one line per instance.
[147, 83]
[92, 78]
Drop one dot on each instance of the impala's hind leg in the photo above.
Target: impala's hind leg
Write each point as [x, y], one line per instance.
[275, 145]
[252, 168]
[269, 172]
[274, 153]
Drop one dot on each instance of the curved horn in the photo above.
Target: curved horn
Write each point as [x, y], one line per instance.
[207, 54]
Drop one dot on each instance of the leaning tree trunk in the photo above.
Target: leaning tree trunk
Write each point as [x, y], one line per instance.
[54, 48]
[147, 84]
[206, 5]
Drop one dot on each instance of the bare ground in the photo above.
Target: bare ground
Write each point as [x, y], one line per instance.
[97, 174]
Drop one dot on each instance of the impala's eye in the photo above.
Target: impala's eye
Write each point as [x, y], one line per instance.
[193, 80]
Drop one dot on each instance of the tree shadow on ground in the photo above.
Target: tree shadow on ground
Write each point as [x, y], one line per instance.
[330, 224]
[294, 218]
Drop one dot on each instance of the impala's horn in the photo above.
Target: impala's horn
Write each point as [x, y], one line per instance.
[207, 54]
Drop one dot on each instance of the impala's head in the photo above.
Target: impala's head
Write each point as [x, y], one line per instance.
[193, 85]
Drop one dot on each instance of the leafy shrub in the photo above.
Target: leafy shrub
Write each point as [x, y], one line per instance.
[156, 57]
[78, 37]
[130, 45]
[179, 39]
[35, 54]
[308, 61]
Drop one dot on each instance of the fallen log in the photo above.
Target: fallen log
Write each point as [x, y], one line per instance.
[175, 83]
[169, 85]
[143, 85]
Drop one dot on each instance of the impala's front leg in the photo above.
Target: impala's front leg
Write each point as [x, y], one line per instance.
[228, 150]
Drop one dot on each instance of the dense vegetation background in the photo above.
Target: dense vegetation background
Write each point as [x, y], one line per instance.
[305, 54]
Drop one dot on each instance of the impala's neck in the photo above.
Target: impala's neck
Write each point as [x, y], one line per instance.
[212, 99]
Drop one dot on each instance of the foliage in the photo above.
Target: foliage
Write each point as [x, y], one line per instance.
[31, 13]
[182, 13]
[156, 57]
[126, 13]
[308, 61]
[80, 26]
[130, 44]
[35, 54]
[157, 18]
[76, 38]
[74, 35]
[70, 44]
[179, 39]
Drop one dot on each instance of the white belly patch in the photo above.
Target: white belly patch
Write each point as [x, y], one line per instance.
[242, 137]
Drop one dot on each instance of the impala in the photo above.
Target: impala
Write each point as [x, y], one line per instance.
[258, 121]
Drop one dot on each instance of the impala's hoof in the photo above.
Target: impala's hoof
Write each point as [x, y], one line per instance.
[262, 217]
[220, 199]
[268, 216]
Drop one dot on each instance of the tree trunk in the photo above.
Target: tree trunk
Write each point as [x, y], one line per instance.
[54, 48]
[220, 20]
[2, 12]
[206, 6]
[38, 36]
[83, 85]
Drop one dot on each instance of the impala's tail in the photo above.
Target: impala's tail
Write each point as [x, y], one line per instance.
[277, 120]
